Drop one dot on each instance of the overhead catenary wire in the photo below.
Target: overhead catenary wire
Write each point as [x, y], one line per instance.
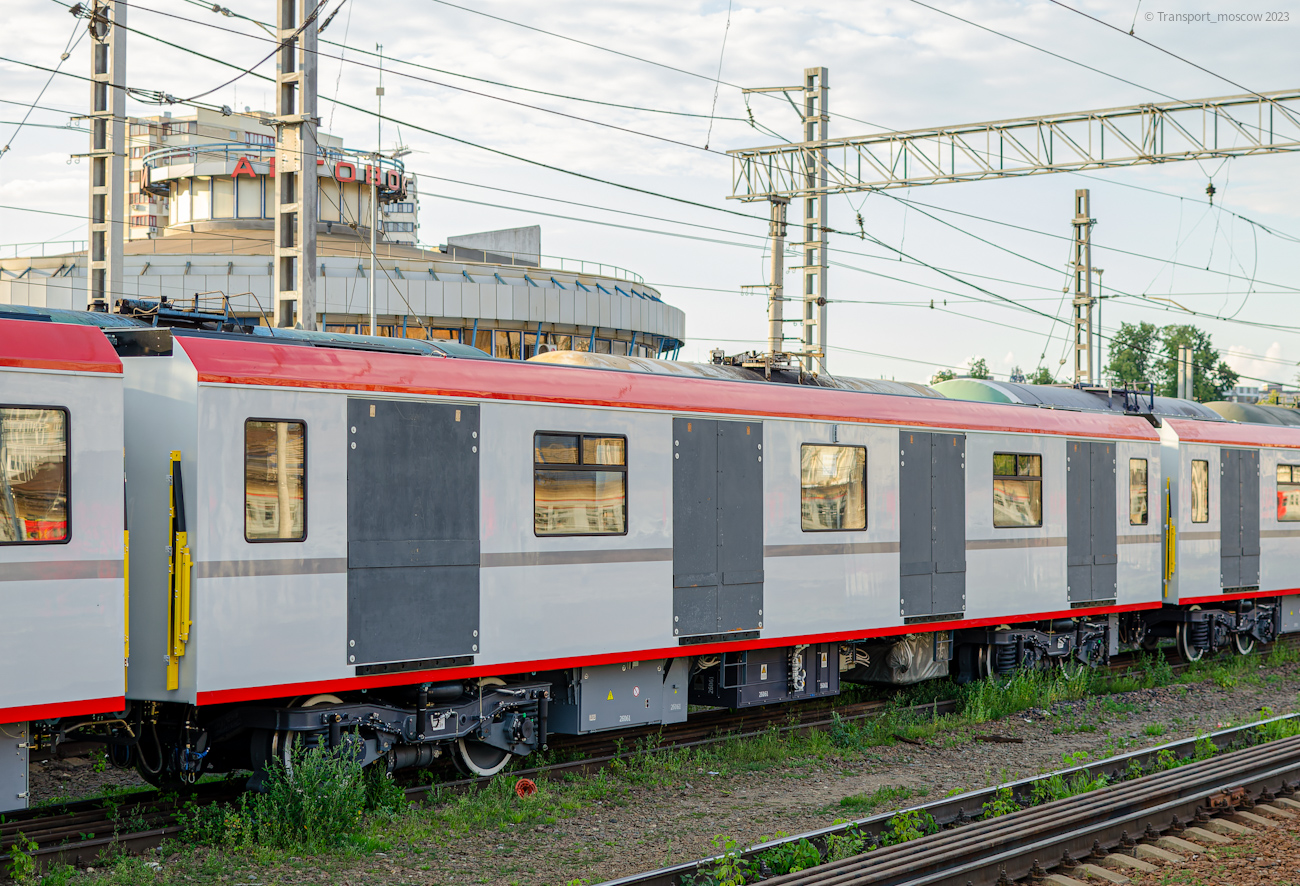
[669, 197]
[74, 39]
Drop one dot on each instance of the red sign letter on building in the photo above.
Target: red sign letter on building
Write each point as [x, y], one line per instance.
[345, 171]
[243, 167]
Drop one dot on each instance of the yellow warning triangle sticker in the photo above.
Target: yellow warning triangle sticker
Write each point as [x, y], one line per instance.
[610, 697]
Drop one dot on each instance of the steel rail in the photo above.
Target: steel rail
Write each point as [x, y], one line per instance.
[1004, 833]
[55, 829]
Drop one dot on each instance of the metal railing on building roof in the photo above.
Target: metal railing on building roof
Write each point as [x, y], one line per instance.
[234, 150]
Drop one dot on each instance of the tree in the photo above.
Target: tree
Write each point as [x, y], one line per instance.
[1142, 354]
[1134, 351]
[1042, 376]
[979, 368]
[1212, 377]
[942, 375]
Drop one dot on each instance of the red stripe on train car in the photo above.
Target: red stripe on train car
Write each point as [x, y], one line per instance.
[221, 361]
[60, 346]
[1245, 595]
[1232, 434]
[63, 709]
[253, 693]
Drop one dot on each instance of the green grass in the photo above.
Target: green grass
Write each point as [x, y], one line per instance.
[343, 826]
[864, 804]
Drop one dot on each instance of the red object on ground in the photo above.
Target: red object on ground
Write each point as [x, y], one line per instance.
[525, 788]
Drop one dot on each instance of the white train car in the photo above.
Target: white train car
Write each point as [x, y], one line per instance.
[424, 553]
[1232, 554]
[62, 548]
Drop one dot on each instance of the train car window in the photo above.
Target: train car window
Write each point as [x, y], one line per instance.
[1017, 490]
[34, 467]
[1200, 491]
[579, 484]
[834, 487]
[1137, 492]
[275, 480]
[1288, 493]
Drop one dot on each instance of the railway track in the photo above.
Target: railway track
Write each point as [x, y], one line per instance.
[76, 833]
[1052, 837]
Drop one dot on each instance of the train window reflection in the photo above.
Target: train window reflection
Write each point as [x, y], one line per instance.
[1017, 490]
[834, 487]
[275, 480]
[1288, 493]
[1137, 492]
[1200, 491]
[33, 475]
[579, 484]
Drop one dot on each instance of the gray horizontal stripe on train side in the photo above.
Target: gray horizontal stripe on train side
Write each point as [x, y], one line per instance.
[61, 570]
[1151, 538]
[1207, 535]
[576, 558]
[244, 568]
[1279, 533]
[997, 544]
[831, 550]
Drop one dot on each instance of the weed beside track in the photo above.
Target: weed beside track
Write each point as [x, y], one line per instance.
[251, 842]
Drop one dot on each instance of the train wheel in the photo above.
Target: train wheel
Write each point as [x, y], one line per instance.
[282, 744]
[1189, 652]
[478, 758]
[475, 757]
[1243, 643]
[1149, 643]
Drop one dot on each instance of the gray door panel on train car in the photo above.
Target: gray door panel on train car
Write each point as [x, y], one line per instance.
[932, 524]
[717, 526]
[413, 530]
[1092, 536]
[1238, 518]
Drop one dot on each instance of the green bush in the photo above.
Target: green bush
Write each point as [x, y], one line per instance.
[317, 802]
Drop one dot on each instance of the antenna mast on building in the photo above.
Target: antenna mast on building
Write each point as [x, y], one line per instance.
[107, 152]
[296, 195]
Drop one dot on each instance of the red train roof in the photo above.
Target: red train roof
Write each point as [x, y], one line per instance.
[25, 344]
[1233, 434]
[223, 361]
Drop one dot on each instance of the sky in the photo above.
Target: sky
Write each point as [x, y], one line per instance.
[627, 95]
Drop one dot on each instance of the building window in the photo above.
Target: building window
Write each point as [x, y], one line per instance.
[257, 138]
[1288, 493]
[579, 484]
[1137, 492]
[275, 480]
[833, 480]
[33, 475]
[139, 129]
[394, 208]
[398, 227]
[136, 175]
[144, 221]
[1017, 490]
[1200, 491]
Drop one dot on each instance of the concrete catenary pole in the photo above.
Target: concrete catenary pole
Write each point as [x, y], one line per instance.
[374, 186]
[816, 127]
[1082, 301]
[776, 286]
[296, 193]
[107, 152]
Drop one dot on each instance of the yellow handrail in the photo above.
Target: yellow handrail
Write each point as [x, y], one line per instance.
[1171, 539]
[178, 577]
